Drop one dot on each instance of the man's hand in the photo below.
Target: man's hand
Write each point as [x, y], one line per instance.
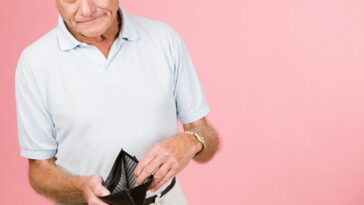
[47, 179]
[169, 157]
[166, 159]
[91, 187]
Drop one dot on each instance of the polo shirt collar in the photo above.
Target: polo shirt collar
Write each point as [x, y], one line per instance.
[67, 41]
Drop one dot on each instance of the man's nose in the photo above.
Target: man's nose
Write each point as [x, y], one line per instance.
[87, 7]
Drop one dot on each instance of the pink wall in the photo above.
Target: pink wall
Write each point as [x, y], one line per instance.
[285, 82]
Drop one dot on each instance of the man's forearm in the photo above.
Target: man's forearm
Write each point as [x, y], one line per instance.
[47, 179]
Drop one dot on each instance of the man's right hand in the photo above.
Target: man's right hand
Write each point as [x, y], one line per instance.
[91, 188]
[47, 179]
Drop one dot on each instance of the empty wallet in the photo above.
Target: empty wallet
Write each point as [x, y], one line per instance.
[121, 182]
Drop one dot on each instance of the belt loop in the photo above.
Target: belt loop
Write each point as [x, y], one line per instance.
[157, 198]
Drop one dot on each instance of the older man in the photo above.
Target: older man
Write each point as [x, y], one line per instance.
[100, 81]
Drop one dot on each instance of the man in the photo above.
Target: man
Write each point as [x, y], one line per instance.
[104, 80]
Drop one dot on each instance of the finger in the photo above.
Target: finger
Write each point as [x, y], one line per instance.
[101, 191]
[96, 201]
[142, 163]
[161, 172]
[151, 168]
[92, 199]
[98, 187]
[167, 177]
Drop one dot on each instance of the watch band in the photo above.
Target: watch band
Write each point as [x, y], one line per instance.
[199, 138]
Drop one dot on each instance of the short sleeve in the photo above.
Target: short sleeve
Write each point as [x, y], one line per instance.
[36, 133]
[189, 97]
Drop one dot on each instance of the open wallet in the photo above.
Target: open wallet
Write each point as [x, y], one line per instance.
[121, 182]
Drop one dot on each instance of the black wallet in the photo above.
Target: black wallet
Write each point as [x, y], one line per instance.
[121, 182]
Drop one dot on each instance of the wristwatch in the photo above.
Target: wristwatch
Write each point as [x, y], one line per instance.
[200, 139]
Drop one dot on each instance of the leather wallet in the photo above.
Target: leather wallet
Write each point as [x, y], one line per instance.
[121, 182]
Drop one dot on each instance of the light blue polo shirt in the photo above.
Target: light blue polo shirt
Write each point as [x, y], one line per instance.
[76, 105]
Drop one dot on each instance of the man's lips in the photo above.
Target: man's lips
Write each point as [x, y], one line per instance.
[87, 21]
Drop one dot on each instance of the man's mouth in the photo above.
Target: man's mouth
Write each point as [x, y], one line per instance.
[87, 21]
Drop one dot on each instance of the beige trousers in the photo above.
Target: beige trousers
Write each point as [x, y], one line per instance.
[175, 196]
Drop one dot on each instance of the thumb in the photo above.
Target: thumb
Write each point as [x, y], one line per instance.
[101, 191]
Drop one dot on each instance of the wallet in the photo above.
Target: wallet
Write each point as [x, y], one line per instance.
[121, 182]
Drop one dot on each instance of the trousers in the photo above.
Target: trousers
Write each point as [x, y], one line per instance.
[175, 196]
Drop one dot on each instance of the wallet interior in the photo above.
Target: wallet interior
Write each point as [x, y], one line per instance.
[121, 182]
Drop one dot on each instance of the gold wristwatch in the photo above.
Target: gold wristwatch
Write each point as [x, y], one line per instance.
[200, 139]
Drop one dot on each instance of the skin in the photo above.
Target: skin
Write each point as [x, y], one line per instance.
[167, 158]
[47, 179]
[95, 22]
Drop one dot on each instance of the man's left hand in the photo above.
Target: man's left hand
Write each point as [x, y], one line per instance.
[166, 159]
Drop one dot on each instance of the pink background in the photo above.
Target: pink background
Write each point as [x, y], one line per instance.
[285, 82]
